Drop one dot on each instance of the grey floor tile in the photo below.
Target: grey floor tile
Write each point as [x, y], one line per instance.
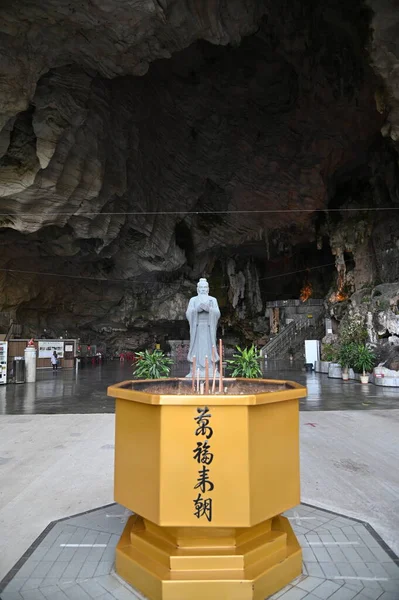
[314, 570]
[365, 554]
[78, 536]
[310, 583]
[95, 554]
[354, 585]
[39, 553]
[326, 589]
[389, 586]
[81, 555]
[104, 568]
[321, 554]
[377, 569]
[379, 553]
[326, 537]
[33, 595]
[32, 583]
[125, 594]
[11, 595]
[76, 592]
[42, 569]
[50, 582]
[60, 595]
[88, 570]
[57, 569]
[340, 537]
[389, 596]
[313, 538]
[343, 593]
[361, 569]
[308, 555]
[329, 569]
[280, 593]
[345, 569]
[27, 569]
[94, 589]
[72, 570]
[108, 582]
[336, 554]
[66, 554]
[53, 553]
[350, 554]
[55, 572]
[392, 569]
[50, 591]
[372, 593]
[294, 594]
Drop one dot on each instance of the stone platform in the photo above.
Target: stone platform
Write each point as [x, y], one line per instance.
[344, 559]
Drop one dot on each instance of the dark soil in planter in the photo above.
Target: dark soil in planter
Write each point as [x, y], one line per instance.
[179, 387]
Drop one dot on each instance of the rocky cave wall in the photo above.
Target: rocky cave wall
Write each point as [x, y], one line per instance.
[137, 136]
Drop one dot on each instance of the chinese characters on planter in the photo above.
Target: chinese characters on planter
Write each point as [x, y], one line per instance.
[204, 457]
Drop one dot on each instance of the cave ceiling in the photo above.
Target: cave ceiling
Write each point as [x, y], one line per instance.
[123, 124]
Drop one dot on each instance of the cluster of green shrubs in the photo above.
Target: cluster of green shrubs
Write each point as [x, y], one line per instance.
[155, 365]
[356, 356]
[351, 355]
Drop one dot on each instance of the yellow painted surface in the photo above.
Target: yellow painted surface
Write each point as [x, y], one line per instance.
[162, 570]
[228, 470]
[243, 549]
[273, 438]
[137, 457]
[124, 390]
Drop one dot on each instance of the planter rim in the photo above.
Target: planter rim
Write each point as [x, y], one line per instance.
[293, 392]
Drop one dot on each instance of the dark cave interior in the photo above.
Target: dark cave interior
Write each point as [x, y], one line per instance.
[246, 163]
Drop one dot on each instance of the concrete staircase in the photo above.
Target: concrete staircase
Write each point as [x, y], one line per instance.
[293, 336]
[13, 332]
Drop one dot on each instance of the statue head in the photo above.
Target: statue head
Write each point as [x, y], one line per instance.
[202, 287]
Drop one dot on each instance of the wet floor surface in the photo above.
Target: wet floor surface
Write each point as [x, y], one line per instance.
[68, 392]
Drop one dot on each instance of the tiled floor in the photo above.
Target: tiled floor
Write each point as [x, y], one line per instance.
[73, 560]
[67, 392]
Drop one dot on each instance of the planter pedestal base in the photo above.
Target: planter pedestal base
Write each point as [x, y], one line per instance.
[191, 563]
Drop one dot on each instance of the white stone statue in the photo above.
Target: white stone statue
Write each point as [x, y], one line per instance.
[203, 315]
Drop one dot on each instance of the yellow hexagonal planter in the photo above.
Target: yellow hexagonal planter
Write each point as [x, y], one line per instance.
[208, 477]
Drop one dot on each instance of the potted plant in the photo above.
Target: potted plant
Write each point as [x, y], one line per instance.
[152, 365]
[328, 357]
[245, 363]
[346, 354]
[364, 360]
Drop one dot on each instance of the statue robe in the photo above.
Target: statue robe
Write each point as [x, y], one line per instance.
[203, 327]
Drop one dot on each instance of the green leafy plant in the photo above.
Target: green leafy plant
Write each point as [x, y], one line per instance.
[152, 365]
[246, 363]
[346, 354]
[329, 353]
[353, 330]
[363, 359]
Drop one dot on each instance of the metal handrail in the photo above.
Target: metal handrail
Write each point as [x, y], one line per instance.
[9, 331]
[289, 332]
[294, 302]
[13, 327]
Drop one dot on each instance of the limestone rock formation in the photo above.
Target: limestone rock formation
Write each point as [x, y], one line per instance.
[136, 136]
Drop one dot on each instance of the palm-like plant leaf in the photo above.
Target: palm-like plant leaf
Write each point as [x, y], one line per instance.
[152, 365]
[245, 363]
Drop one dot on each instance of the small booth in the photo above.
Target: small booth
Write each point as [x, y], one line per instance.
[66, 351]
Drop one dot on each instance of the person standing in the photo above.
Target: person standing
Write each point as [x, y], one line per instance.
[54, 361]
